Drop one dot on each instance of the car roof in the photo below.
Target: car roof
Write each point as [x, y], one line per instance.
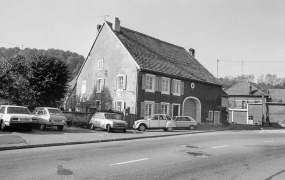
[47, 107]
[13, 106]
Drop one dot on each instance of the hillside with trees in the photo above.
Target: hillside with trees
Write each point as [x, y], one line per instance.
[265, 82]
[73, 60]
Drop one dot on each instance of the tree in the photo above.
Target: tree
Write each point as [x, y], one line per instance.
[14, 86]
[48, 79]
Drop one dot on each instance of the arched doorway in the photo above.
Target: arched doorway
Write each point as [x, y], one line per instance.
[192, 107]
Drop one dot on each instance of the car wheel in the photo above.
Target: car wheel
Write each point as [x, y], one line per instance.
[59, 128]
[3, 126]
[142, 127]
[191, 127]
[108, 128]
[92, 127]
[124, 130]
[42, 127]
[164, 129]
[170, 129]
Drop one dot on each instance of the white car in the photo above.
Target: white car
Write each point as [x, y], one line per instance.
[49, 116]
[155, 121]
[185, 122]
[16, 116]
[108, 121]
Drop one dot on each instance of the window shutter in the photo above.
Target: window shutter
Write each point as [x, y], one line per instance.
[124, 105]
[157, 108]
[181, 88]
[97, 84]
[143, 81]
[170, 110]
[160, 84]
[124, 81]
[115, 83]
[142, 109]
[156, 83]
[172, 86]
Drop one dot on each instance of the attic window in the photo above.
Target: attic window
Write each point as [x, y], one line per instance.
[100, 64]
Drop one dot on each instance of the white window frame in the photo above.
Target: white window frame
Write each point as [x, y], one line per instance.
[118, 82]
[83, 87]
[146, 109]
[167, 108]
[147, 84]
[176, 86]
[99, 87]
[122, 105]
[175, 104]
[210, 116]
[164, 79]
[100, 64]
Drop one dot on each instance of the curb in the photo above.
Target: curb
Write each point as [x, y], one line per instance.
[97, 141]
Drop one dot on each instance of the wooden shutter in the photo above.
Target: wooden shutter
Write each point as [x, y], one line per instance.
[115, 83]
[170, 110]
[143, 81]
[155, 108]
[172, 86]
[124, 104]
[160, 84]
[156, 83]
[158, 108]
[181, 88]
[142, 109]
[124, 81]
[97, 84]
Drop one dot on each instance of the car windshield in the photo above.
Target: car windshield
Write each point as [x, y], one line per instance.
[18, 110]
[55, 112]
[111, 116]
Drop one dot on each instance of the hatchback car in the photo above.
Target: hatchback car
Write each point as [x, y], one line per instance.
[16, 116]
[108, 121]
[185, 122]
[48, 116]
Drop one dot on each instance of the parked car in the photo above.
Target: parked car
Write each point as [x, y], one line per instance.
[108, 121]
[16, 116]
[155, 121]
[185, 122]
[49, 116]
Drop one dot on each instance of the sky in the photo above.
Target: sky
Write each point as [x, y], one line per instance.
[230, 37]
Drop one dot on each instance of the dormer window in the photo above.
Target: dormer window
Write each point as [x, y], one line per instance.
[100, 64]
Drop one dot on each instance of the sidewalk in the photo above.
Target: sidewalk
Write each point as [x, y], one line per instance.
[18, 139]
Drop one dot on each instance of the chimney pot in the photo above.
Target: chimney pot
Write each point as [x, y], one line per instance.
[192, 52]
[116, 25]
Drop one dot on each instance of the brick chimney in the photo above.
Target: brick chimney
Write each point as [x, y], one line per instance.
[116, 25]
[192, 52]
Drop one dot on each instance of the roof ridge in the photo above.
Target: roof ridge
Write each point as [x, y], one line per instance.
[149, 36]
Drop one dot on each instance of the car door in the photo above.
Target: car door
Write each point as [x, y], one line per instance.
[178, 122]
[185, 121]
[153, 122]
[2, 111]
[162, 121]
[43, 116]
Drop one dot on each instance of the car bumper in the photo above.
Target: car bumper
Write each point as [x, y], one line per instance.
[115, 126]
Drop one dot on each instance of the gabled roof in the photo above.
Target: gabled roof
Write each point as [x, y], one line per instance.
[277, 95]
[155, 55]
[244, 88]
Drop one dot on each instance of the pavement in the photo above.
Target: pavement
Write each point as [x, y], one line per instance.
[21, 139]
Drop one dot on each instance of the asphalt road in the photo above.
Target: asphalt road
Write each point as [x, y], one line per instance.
[221, 155]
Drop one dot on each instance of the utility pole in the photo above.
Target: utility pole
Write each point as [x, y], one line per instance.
[217, 68]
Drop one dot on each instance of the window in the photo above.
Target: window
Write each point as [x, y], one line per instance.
[99, 85]
[147, 108]
[176, 87]
[210, 116]
[164, 108]
[165, 86]
[119, 105]
[100, 64]
[149, 82]
[2, 110]
[83, 87]
[250, 117]
[120, 82]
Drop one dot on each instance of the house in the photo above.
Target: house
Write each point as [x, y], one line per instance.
[140, 75]
[246, 104]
